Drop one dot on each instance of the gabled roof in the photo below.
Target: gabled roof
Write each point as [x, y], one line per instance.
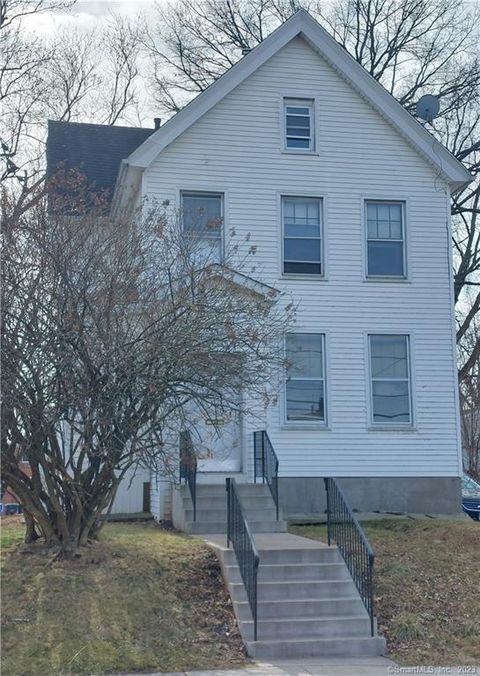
[95, 150]
[300, 24]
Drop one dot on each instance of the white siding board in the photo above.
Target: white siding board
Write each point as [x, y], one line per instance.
[129, 497]
[236, 147]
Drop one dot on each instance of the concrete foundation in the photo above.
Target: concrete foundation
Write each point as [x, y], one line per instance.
[304, 497]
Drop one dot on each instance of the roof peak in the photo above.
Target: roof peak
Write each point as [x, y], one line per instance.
[302, 23]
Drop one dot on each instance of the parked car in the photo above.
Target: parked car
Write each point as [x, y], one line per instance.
[471, 497]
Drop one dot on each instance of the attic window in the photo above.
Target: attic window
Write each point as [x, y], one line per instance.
[298, 115]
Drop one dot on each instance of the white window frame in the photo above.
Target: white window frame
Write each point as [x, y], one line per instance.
[310, 275]
[307, 424]
[374, 424]
[300, 103]
[208, 193]
[403, 207]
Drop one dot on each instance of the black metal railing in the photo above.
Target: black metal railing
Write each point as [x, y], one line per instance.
[188, 467]
[266, 463]
[344, 529]
[240, 536]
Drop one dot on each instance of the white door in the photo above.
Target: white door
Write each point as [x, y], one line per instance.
[217, 443]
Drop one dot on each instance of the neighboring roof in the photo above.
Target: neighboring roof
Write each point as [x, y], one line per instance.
[96, 150]
[370, 89]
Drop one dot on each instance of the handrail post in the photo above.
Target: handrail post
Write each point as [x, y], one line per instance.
[370, 586]
[263, 457]
[329, 525]
[229, 506]
[276, 488]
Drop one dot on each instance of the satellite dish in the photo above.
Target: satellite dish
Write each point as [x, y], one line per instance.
[428, 107]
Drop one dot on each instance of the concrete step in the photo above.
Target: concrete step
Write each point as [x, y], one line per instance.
[313, 627]
[318, 607]
[280, 591]
[307, 555]
[210, 527]
[295, 572]
[215, 490]
[347, 646]
[220, 502]
[264, 514]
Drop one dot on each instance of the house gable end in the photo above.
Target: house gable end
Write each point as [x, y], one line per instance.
[303, 25]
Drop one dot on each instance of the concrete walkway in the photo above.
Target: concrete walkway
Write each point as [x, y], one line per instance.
[315, 666]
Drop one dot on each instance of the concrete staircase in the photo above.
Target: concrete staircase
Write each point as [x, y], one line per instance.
[308, 604]
[212, 509]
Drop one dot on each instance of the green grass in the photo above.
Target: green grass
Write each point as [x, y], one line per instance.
[10, 534]
[141, 599]
[427, 587]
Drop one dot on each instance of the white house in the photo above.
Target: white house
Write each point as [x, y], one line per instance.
[346, 197]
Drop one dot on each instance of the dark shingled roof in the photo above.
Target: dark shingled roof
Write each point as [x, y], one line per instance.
[96, 150]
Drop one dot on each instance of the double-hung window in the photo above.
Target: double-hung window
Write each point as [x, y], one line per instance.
[302, 235]
[202, 217]
[305, 377]
[390, 379]
[299, 124]
[385, 239]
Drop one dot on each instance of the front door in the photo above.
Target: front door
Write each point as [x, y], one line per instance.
[217, 443]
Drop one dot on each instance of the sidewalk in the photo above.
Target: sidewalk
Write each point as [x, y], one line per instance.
[315, 666]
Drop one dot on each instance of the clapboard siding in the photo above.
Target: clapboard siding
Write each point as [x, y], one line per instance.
[129, 497]
[236, 148]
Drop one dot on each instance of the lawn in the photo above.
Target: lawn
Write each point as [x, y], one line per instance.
[427, 588]
[143, 598]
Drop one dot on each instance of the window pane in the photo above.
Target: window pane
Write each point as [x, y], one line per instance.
[305, 400]
[391, 401]
[389, 356]
[302, 250]
[383, 229]
[383, 212]
[395, 212]
[202, 214]
[298, 229]
[297, 110]
[372, 229]
[206, 249]
[304, 355]
[372, 212]
[384, 220]
[302, 268]
[300, 211]
[396, 230]
[298, 121]
[298, 143]
[385, 258]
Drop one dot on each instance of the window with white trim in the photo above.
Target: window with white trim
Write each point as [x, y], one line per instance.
[302, 235]
[305, 377]
[202, 218]
[385, 239]
[390, 379]
[298, 116]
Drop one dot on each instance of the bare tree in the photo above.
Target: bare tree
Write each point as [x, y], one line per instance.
[470, 406]
[112, 331]
[70, 75]
[411, 46]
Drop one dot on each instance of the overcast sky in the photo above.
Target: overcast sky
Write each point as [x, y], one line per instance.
[87, 13]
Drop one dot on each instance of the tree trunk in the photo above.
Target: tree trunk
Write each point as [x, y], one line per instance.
[31, 534]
